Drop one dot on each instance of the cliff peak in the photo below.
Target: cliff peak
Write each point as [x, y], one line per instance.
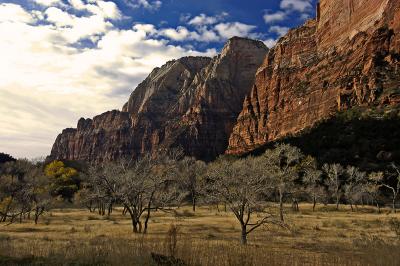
[191, 102]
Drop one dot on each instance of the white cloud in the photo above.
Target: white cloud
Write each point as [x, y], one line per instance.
[207, 35]
[48, 83]
[231, 29]
[296, 5]
[203, 19]
[106, 9]
[202, 34]
[149, 5]
[109, 9]
[204, 28]
[279, 30]
[270, 42]
[147, 28]
[178, 34]
[77, 4]
[305, 16]
[47, 2]
[14, 13]
[274, 17]
[185, 17]
[72, 28]
[59, 17]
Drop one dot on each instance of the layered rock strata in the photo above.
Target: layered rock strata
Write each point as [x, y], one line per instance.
[348, 56]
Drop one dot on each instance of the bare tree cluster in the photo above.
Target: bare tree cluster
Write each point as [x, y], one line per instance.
[141, 187]
[24, 191]
[253, 189]
[241, 185]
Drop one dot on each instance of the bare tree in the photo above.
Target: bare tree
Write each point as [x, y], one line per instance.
[333, 181]
[9, 189]
[23, 189]
[394, 188]
[140, 186]
[36, 190]
[312, 180]
[240, 185]
[354, 189]
[191, 171]
[282, 167]
[372, 187]
[85, 196]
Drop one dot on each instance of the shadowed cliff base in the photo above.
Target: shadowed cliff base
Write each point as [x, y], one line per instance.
[364, 137]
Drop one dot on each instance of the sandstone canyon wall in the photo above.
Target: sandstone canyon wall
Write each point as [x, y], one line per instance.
[192, 102]
[247, 96]
[348, 56]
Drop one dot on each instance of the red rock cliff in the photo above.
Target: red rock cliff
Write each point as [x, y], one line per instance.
[348, 56]
[192, 102]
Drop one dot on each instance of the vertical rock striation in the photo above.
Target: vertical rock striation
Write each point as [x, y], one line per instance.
[348, 56]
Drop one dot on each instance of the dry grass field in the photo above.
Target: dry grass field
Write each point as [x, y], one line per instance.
[206, 237]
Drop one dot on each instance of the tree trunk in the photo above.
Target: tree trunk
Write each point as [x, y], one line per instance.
[337, 201]
[12, 218]
[99, 205]
[134, 225]
[4, 219]
[379, 207]
[109, 211]
[36, 215]
[38, 211]
[281, 205]
[194, 202]
[147, 216]
[6, 213]
[90, 206]
[243, 239]
[394, 204]
[134, 222]
[351, 206]
[146, 221]
[314, 204]
[140, 226]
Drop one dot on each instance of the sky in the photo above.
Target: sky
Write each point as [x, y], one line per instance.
[65, 59]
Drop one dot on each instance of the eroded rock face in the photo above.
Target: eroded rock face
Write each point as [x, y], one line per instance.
[348, 56]
[340, 20]
[107, 136]
[192, 102]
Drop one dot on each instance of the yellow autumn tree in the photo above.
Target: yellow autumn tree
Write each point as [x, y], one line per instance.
[64, 180]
